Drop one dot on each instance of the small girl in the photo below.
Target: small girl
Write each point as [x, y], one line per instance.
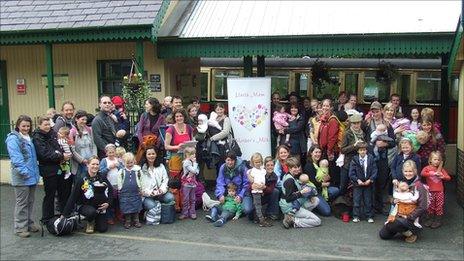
[129, 187]
[434, 175]
[322, 175]
[415, 125]
[280, 120]
[109, 168]
[65, 142]
[258, 175]
[189, 183]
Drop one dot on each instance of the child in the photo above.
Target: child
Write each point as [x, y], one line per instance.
[65, 142]
[258, 175]
[229, 209]
[305, 183]
[51, 114]
[401, 121]
[415, 125]
[130, 200]
[380, 133]
[405, 199]
[189, 183]
[434, 175]
[213, 121]
[322, 175]
[280, 120]
[406, 153]
[271, 182]
[109, 168]
[363, 172]
[201, 128]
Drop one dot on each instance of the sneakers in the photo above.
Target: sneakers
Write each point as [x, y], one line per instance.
[34, 229]
[218, 223]
[127, 224]
[429, 219]
[182, 217]
[210, 218]
[407, 233]
[356, 220]
[411, 239]
[89, 229]
[370, 220]
[288, 221]
[436, 222]
[23, 234]
[193, 216]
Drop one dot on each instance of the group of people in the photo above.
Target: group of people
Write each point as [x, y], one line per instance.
[329, 156]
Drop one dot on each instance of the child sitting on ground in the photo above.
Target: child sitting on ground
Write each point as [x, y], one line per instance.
[229, 209]
[404, 199]
[280, 120]
[257, 176]
[189, 183]
[305, 183]
[322, 175]
[65, 144]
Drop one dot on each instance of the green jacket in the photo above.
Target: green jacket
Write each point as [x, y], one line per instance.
[232, 206]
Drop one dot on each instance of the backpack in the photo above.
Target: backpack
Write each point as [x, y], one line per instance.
[341, 131]
[61, 226]
[428, 194]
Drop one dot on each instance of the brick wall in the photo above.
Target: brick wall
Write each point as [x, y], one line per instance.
[460, 177]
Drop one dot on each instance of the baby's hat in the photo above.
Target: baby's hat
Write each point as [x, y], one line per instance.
[202, 123]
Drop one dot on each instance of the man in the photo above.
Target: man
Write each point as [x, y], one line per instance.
[395, 100]
[103, 126]
[176, 105]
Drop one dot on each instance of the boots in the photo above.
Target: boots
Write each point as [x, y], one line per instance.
[90, 227]
[127, 221]
[436, 222]
[428, 220]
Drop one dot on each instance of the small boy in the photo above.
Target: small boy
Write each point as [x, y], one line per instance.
[229, 209]
[305, 183]
[63, 140]
[380, 133]
[363, 172]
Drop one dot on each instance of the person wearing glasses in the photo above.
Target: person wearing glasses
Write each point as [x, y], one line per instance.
[103, 126]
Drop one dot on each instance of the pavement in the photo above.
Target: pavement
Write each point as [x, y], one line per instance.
[199, 240]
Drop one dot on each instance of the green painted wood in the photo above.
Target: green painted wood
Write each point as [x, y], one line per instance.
[139, 55]
[455, 47]
[247, 66]
[260, 66]
[50, 76]
[159, 20]
[4, 110]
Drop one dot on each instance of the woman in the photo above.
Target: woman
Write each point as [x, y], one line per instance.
[296, 129]
[84, 147]
[154, 181]
[435, 141]
[149, 125]
[220, 136]
[177, 134]
[292, 191]
[234, 171]
[50, 155]
[352, 136]
[192, 117]
[65, 119]
[24, 175]
[389, 117]
[280, 167]
[405, 224]
[341, 101]
[314, 156]
[95, 215]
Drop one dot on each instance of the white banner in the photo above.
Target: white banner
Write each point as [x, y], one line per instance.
[250, 114]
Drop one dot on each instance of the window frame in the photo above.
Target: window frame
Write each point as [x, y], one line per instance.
[100, 79]
[416, 79]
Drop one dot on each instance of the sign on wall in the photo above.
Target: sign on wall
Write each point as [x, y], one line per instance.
[249, 101]
[20, 86]
[155, 82]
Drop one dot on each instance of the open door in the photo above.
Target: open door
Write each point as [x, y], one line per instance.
[4, 110]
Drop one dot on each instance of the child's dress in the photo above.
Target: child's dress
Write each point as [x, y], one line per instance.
[130, 200]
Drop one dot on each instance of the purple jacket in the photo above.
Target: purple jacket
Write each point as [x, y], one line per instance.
[144, 126]
[237, 176]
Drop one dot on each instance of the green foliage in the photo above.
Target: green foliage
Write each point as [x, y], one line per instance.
[321, 78]
[387, 73]
[135, 92]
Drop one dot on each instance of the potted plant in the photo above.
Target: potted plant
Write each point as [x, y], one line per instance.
[135, 91]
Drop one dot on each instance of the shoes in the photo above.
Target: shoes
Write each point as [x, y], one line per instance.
[23, 234]
[292, 212]
[407, 233]
[436, 222]
[193, 216]
[110, 221]
[34, 229]
[356, 220]
[182, 217]
[218, 223]
[288, 221]
[370, 220]
[428, 220]
[89, 229]
[127, 224]
[210, 218]
[137, 224]
[264, 223]
[273, 217]
[411, 239]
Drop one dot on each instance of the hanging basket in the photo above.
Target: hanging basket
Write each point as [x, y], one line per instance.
[135, 90]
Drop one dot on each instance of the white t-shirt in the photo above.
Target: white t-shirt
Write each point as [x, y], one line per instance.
[259, 177]
[112, 175]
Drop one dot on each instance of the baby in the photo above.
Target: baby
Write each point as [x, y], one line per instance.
[422, 137]
[305, 183]
[202, 127]
[405, 203]
[213, 121]
[380, 133]
[65, 142]
[402, 121]
[322, 175]
[280, 120]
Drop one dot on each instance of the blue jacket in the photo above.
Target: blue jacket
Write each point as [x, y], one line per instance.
[357, 171]
[397, 165]
[104, 167]
[237, 175]
[24, 167]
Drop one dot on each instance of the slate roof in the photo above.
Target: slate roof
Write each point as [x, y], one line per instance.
[75, 14]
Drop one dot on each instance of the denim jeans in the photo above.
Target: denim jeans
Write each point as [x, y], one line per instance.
[323, 208]
[362, 197]
[218, 213]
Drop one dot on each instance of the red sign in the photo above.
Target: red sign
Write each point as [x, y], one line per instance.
[20, 86]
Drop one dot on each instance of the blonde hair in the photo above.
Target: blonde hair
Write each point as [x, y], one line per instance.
[189, 151]
[427, 112]
[410, 164]
[256, 156]
[64, 131]
[422, 135]
[120, 151]
[435, 153]
[128, 157]
[388, 106]
[293, 162]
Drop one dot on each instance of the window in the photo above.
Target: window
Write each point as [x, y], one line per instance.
[220, 83]
[327, 90]
[454, 85]
[279, 82]
[110, 74]
[428, 87]
[374, 90]
[403, 86]
[204, 86]
[301, 84]
[351, 83]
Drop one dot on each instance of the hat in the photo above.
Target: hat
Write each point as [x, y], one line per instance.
[356, 118]
[376, 105]
[351, 112]
[117, 101]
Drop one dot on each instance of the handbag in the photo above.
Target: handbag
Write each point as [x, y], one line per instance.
[232, 145]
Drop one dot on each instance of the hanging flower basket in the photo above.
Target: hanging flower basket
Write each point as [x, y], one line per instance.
[135, 90]
[320, 76]
[387, 73]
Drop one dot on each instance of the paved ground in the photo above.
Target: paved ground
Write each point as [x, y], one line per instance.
[238, 240]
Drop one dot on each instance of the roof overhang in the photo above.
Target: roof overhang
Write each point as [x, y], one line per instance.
[457, 51]
[424, 45]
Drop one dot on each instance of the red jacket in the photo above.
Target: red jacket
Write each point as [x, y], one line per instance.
[328, 134]
[434, 183]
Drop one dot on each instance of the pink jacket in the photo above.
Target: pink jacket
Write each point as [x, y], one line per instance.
[280, 120]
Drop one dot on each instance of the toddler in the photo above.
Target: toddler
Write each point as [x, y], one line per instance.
[402, 121]
[280, 120]
[380, 133]
[322, 175]
[65, 142]
[305, 183]
[201, 128]
[434, 175]
[229, 209]
[415, 125]
[258, 174]
[404, 199]
[51, 114]
[129, 187]
[189, 183]
[109, 168]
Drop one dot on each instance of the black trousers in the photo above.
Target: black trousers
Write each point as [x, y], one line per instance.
[382, 184]
[55, 185]
[400, 225]
[90, 214]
